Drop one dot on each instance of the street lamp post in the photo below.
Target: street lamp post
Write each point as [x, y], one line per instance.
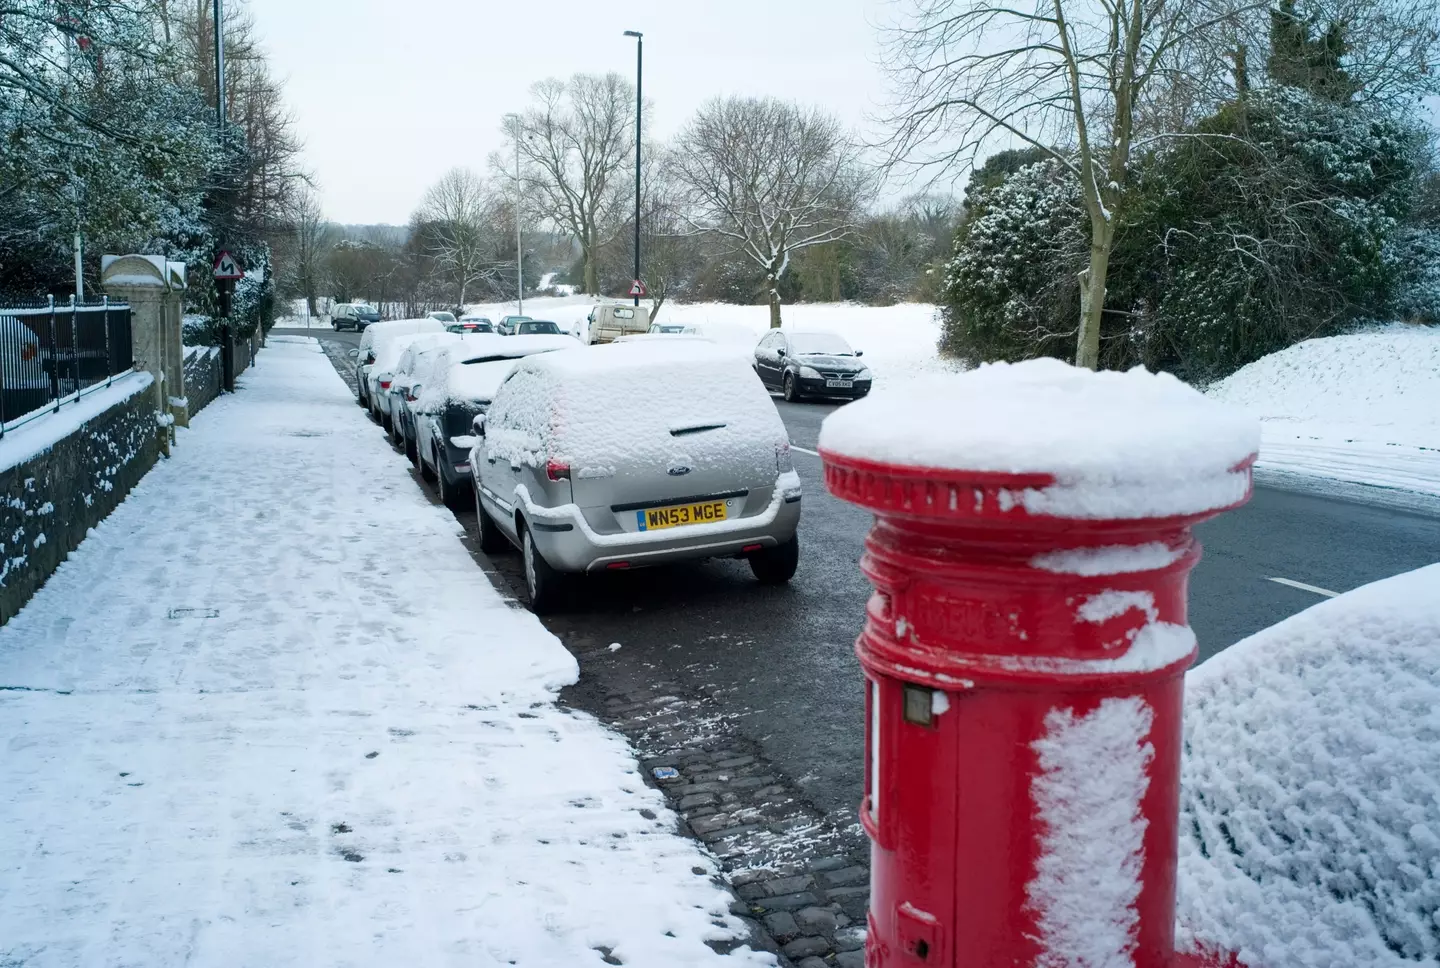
[519, 248]
[639, 105]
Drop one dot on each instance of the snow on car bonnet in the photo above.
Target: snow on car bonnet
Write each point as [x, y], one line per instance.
[1310, 798]
[620, 404]
[1118, 445]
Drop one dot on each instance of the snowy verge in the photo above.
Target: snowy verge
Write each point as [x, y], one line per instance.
[247, 726]
[42, 433]
[899, 342]
[1310, 802]
[1362, 408]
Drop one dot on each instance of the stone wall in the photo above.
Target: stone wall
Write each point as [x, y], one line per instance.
[49, 501]
[202, 376]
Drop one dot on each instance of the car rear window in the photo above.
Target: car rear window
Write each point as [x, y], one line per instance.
[638, 411]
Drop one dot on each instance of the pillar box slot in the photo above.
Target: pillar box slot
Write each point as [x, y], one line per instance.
[1024, 652]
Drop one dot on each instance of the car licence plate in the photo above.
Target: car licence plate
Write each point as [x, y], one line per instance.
[839, 384]
[704, 512]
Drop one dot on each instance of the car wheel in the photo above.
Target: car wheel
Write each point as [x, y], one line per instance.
[543, 583]
[776, 566]
[791, 394]
[430, 476]
[492, 539]
[452, 495]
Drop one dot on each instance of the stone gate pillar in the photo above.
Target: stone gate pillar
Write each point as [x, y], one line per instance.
[155, 289]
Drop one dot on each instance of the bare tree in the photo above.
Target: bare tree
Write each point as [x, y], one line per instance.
[575, 144]
[458, 217]
[771, 177]
[1065, 76]
[310, 243]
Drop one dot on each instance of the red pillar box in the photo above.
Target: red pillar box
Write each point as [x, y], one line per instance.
[1024, 653]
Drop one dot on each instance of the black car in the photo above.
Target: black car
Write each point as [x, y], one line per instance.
[811, 364]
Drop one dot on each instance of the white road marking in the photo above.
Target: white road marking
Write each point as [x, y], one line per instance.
[804, 451]
[1304, 587]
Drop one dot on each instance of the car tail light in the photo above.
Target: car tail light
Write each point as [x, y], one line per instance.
[749, 548]
[618, 565]
[557, 471]
[384, 384]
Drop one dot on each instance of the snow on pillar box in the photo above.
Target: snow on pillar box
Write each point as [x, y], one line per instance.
[1024, 652]
[154, 287]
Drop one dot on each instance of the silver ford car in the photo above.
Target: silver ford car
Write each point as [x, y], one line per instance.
[628, 455]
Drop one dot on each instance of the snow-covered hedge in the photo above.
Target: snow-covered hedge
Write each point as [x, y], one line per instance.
[1310, 810]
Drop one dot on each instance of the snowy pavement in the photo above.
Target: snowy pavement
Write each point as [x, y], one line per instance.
[271, 713]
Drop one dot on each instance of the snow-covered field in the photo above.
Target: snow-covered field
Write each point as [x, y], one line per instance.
[1310, 805]
[243, 726]
[1362, 408]
[898, 341]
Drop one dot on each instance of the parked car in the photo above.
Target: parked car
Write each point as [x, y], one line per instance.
[354, 316]
[412, 371]
[811, 364]
[471, 324]
[732, 334]
[443, 316]
[25, 381]
[374, 337]
[537, 327]
[667, 328]
[387, 353]
[608, 322]
[459, 388]
[507, 324]
[635, 454]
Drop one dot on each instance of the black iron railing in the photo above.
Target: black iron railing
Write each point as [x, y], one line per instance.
[53, 353]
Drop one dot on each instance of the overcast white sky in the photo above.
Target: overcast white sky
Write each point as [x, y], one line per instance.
[390, 94]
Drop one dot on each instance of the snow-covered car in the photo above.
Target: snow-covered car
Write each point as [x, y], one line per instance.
[731, 333]
[472, 324]
[373, 341]
[412, 372]
[667, 328]
[507, 324]
[635, 454]
[537, 327]
[811, 363]
[25, 384]
[459, 386]
[443, 316]
[387, 355]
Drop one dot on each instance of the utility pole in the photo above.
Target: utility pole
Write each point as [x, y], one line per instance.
[224, 288]
[639, 106]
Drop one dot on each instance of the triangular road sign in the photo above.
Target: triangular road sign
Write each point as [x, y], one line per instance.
[637, 288]
[227, 267]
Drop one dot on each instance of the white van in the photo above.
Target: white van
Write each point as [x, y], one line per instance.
[610, 321]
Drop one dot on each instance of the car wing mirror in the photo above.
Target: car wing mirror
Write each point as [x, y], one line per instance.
[354, 354]
[780, 353]
[859, 353]
[478, 425]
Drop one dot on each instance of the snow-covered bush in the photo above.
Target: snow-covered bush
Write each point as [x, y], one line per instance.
[1284, 218]
[1011, 289]
[1310, 800]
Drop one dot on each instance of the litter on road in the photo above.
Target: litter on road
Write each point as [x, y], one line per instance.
[272, 713]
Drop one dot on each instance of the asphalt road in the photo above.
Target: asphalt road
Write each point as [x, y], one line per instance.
[779, 663]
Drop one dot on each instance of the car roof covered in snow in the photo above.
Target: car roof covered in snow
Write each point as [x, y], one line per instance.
[377, 333]
[1308, 823]
[475, 346]
[621, 358]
